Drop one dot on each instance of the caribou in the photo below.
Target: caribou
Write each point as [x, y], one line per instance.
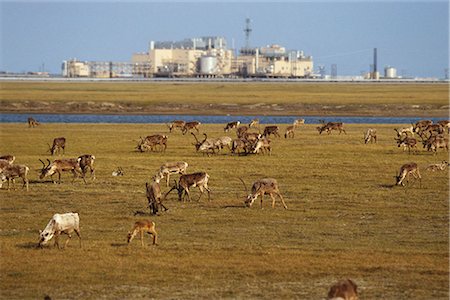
[407, 143]
[153, 193]
[186, 181]
[405, 171]
[32, 122]
[370, 136]
[206, 146]
[60, 223]
[231, 125]
[150, 142]
[11, 171]
[419, 126]
[260, 188]
[176, 124]
[262, 145]
[253, 123]
[330, 126]
[268, 130]
[343, 289]
[190, 126]
[438, 167]
[58, 166]
[241, 131]
[86, 161]
[8, 158]
[58, 144]
[145, 226]
[171, 168]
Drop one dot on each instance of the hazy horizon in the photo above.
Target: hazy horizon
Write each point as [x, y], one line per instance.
[410, 36]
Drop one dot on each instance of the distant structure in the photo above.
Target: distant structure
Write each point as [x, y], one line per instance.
[375, 73]
[207, 56]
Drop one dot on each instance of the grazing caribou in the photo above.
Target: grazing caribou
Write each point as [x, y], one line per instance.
[420, 126]
[199, 179]
[262, 145]
[262, 187]
[190, 126]
[11, 171]
[176, 124]
[231, 125]
[153, 193]
[144, 226]
[60, 223]
[151, 141]
[268, 130]
[58, 166]
[32, 122]
[445, 124]
[86, 161]
[343, 290]
[405, 171]
[171, 168]
[330, 126]
[206, 146]
[370, 136]
[58, 144]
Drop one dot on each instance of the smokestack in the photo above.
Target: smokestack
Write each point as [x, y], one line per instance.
[375, 69]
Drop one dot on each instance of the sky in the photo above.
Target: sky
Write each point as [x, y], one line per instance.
[412, 36]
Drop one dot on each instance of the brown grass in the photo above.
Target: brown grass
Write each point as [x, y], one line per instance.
[345, 220]
[227, 98]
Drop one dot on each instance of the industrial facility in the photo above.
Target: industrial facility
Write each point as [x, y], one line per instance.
[199, 57]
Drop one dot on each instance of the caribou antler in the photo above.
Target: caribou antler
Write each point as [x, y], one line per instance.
[195, 137]
[245, 187]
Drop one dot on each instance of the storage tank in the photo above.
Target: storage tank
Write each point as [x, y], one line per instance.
[390, 72]
[208, 64]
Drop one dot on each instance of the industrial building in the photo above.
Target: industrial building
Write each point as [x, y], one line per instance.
[199, 57]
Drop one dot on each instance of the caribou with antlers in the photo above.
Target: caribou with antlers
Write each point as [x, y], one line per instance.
[199, 179]
[260, 188]
[206, 146]
[150, 142]
[58, 166]
[330, 126]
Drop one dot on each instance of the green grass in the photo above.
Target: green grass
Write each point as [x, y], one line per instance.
[345, 220]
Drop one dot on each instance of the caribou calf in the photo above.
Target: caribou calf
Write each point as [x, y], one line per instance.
[405, 171]
[262, 187]
[145, 226]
